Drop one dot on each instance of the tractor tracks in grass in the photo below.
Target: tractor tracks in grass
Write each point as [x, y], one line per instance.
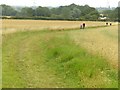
[24, 52]
[26, 61]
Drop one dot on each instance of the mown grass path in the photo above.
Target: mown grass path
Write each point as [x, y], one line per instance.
[56, 59]
[23, 65]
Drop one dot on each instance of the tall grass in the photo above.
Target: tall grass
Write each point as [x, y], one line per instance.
[52, 59]
[75, 65]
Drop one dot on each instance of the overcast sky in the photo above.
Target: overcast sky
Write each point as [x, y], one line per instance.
[55, 3]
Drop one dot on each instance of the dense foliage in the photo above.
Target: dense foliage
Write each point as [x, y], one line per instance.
[113, 15]
[70, 12]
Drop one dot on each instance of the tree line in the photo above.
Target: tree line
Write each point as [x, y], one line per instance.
[113, 15]
[69, 12]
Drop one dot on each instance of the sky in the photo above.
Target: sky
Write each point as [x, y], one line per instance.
[56, 3]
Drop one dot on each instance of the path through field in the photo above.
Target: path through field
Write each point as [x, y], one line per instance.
[47, 59]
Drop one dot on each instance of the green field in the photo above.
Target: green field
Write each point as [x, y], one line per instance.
[61, 59]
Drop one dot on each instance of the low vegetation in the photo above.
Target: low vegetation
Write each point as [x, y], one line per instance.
[64, 59]
[10, 26]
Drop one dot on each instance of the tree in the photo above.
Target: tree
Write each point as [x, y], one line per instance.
[26, 11]
[75, 13]
[116, 14]
[8, 10]
[43, 11]
[65, 13]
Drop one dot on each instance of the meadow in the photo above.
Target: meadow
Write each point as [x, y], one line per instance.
[57, 54]
[22, 25]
